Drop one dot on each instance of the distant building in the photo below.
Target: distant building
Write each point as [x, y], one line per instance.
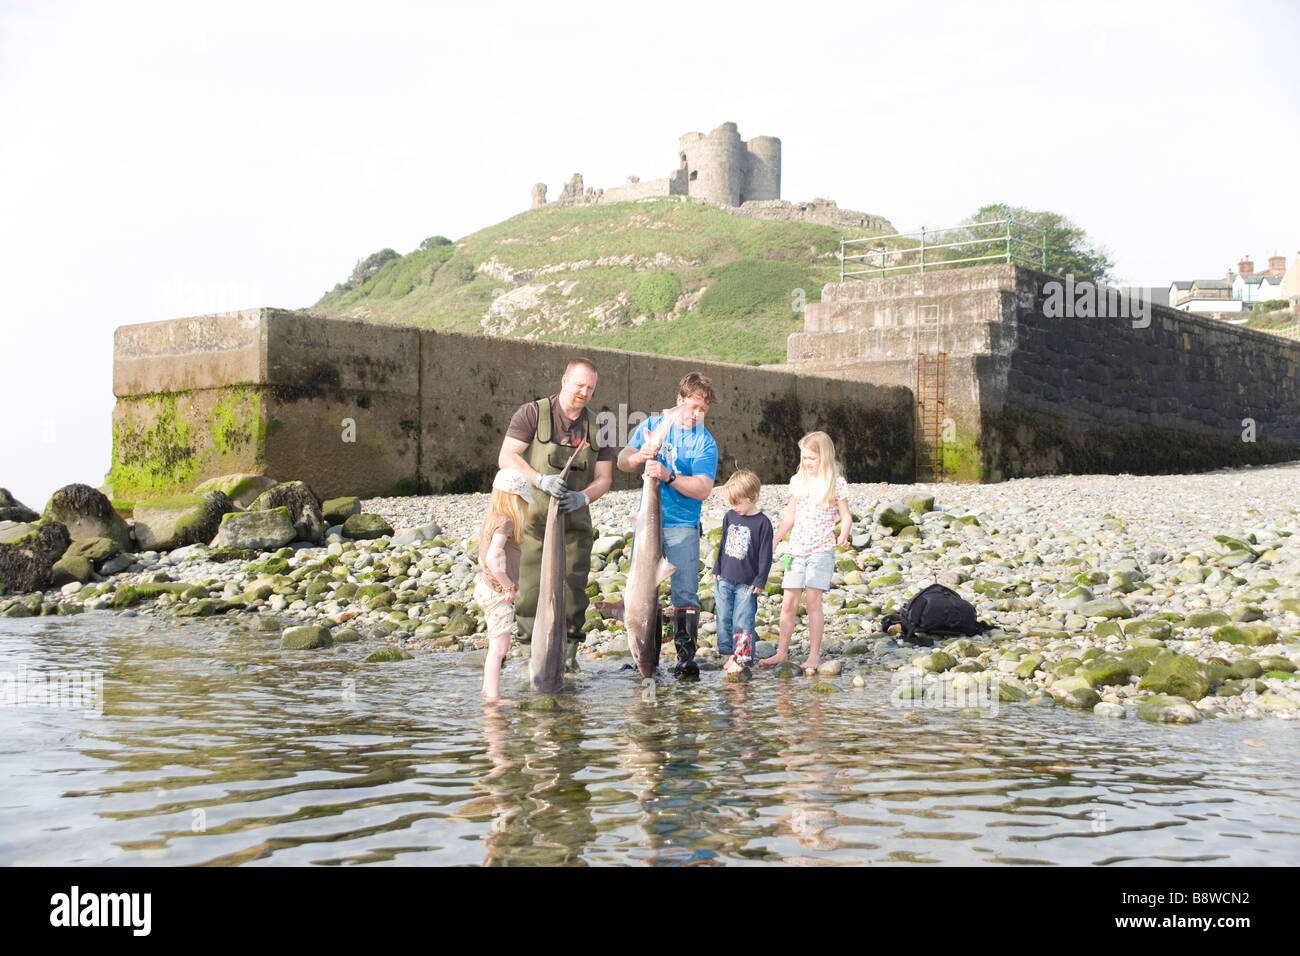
[1290, 289]
[1237, 292]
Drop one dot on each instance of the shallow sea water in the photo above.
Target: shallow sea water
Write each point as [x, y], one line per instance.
[217, 748]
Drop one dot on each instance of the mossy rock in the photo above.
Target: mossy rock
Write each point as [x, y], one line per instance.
[125, 596]
[264, 530]
[94, 550]
[1105, 671]
[920, 504]
[1010, 693]
[305, 638]
[1028, 664]
[87, 513]
[1218, 670]
[460, 626]
[304, 508]
[205, 607]
[1245, 667]
[346, 635]
[1110, 608]
[1155, 630]
[153, 589]
[71, 568]
[1275, 662]
[366, 527]
[164, 524]
[787, 670]
[1081, 698]
[1168, 709]
[1179, 675]
[243, 490]
[1254, 634]
[1207, 618]
[387, 654]
[1107, 629]
[938, 662]
[1280, 675]
[1235, 688]
[825, 687]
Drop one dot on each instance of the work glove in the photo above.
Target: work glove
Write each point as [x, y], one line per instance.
[573, 501]
[553, 485]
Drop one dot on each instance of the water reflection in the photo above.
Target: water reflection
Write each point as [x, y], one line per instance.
[217, 748]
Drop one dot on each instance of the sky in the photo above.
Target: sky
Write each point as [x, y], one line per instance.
[161, 160]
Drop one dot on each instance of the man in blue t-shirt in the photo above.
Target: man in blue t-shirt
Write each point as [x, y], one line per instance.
[686, 465]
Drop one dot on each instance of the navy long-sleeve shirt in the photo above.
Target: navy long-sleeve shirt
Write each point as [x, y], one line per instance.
[745, 552]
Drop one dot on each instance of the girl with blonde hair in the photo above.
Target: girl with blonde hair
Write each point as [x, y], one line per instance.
[818, 494]
[499, 540]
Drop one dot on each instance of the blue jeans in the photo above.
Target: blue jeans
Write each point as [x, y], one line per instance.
[682, 549]
[735, 607]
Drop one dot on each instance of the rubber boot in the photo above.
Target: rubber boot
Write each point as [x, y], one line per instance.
[687, 629]
[667, 621]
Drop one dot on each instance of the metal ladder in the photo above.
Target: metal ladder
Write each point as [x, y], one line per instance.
[931, 373]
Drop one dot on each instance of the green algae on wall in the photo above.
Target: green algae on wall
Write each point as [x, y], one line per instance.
[161, 445]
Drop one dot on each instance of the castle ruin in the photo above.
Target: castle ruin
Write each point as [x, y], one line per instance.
[723, 170]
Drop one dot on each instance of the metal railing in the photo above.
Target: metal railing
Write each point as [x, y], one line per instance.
[943, 248]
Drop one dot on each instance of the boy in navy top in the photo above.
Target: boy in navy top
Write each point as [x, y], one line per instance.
[744, 559]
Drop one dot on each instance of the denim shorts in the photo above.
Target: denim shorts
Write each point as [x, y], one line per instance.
[810, 570]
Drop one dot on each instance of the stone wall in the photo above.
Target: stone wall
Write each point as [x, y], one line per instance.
[823, 212]
[281, 393]
[1030, 395]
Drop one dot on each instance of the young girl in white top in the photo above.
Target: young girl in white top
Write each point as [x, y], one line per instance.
[818, 494]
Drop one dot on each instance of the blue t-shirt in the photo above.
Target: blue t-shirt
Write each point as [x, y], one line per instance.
[687, 452]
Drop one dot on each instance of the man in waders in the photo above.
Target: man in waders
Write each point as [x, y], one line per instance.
[538, 442]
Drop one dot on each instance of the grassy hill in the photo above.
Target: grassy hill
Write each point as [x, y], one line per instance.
[666, 276]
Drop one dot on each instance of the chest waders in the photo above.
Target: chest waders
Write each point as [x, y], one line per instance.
[548, 458]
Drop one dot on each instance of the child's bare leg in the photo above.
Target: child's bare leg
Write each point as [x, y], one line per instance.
[789, 613]
[497, 647]
[816, 620]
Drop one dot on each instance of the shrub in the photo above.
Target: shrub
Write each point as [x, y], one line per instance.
[455, 271]
[434, 241]
[657, 293]
[369, 267]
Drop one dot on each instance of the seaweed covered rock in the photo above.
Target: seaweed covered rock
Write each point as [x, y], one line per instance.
[241, 489]
[255, 530]
[304, 508]
[87, 513]
[164, 524]
[28, 563]
[11, 509]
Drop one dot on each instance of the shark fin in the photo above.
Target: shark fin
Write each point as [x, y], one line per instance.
[663, 572]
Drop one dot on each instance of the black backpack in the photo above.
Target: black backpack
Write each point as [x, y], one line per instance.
[935, 610]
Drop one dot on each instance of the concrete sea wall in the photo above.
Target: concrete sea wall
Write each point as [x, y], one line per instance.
[1029, 394]
[364, 408]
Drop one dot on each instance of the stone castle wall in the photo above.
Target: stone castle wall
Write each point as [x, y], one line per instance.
[280, 393]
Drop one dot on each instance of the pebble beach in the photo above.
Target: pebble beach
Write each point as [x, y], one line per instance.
[1172, 598]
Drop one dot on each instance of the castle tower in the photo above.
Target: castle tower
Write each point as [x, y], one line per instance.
[716, 164]
[763, 175]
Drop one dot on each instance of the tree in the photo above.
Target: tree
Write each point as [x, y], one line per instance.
[1068, 250]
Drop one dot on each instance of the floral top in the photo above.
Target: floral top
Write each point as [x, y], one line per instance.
[814, 524]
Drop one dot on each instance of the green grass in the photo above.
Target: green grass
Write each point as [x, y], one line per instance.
[627, 260]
